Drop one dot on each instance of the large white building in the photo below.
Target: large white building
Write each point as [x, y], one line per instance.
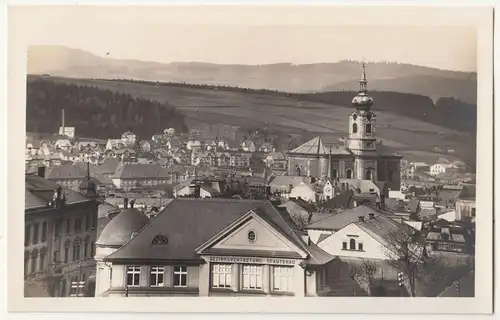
[209, 247]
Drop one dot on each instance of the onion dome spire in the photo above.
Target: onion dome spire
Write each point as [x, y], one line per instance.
[363, 100]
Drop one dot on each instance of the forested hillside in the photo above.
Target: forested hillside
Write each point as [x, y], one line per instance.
[95, 112]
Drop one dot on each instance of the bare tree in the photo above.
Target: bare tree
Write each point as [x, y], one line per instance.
[369, 269]
[406, 252]
[355, 273]
[300, 220]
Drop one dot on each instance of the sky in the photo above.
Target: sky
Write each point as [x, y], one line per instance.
[161, 38]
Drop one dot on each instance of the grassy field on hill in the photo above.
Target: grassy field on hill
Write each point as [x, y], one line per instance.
[415, 139]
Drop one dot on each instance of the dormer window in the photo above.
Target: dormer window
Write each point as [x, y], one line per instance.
[160, 239]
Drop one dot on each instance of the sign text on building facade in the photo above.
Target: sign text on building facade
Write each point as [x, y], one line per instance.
[252, 260]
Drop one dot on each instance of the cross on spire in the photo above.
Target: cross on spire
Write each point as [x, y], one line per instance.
[362, 81]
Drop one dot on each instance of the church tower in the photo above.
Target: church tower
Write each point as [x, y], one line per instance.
[362, 141]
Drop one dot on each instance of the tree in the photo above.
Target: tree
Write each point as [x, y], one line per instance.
[407, 254]
[355, 273]
[369, 268]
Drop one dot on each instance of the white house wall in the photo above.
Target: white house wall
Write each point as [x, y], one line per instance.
[372, 249]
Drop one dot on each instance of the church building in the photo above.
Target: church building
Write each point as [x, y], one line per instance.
[360, 157]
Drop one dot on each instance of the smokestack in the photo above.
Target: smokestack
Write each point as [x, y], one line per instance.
[125, 203]
[63, 129]
[361, 218]
[371, 215]
[41, 171]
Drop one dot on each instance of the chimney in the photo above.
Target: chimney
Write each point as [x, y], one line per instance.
[371, 215]
[132, 203]
[361, 218]
[438, 211]
[63, 129]
[125, 203]
[41, 171]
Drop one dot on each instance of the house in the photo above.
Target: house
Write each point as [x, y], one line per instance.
[438, 168]
[223, 159]
[234, 248]
[174, 144]
[109, 166]
[129, 176]
[343, 200]
[465, 205]
[417, 167]
[240, 159]
[63, 144]
[194, 145]
[115, 144]
[266, 147]
[283, 185]
[447, 237]
[248, 146]
[210, 145]
[304, 191]
[329, 191]
[59, 238]
[200, 188]
[129, 138]
[145, 145]
[71, 176]
[276, 160]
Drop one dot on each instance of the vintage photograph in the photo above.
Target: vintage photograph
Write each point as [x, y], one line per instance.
[256, 160]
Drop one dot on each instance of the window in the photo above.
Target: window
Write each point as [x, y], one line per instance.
[27, 234]
[221, 275]
[390, 175]
[368, 128]
[34, 260]
[252, 277]
[76, 250]
[92, 249]
[298, 171]
[68, 226]
[160, 239]
[334, 173]
[180, 276]
[473, 212]
[282, 279]
[360, 246]
[43, 258]
[87, 223]
[78, 224]
[74, 286]
[86, 248]
[349, 174]
[66, 253]
[354, 127]
[352, 244]
[58, 228]
[368, 174]
[252, 236]
[344, 245]
[44, 231]
[156, 276]
[133, 275]
[55, 258]
[35, 233]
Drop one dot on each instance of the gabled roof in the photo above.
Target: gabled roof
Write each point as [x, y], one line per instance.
[141, 171]
[109, 165]
[189, 223]
[342, 200]
[286, 181]
[340, 220]
[468, 192]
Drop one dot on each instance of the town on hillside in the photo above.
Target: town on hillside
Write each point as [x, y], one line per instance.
[181, 214]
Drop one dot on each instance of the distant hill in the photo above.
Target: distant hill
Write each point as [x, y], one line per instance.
[95, 112]
[411, 124]
[319, 77]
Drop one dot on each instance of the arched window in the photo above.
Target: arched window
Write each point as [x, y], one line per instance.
[66, 251]
[348, 174]
[86, 244]
[368, 174]
[160, 239]
[298, 170]
[368, 128]
[334, 174]
[76, 249]
[352, 244]
[43, 258]
[354, 127]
